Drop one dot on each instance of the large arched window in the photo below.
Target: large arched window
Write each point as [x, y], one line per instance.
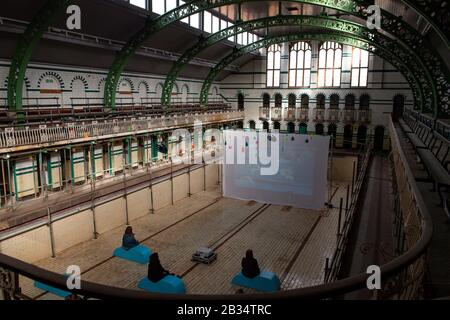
[360, 67]
[273, 65]
[330, 63]
[300, 65]
[349, 102]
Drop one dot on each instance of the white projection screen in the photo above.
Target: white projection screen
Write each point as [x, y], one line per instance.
[301, 180]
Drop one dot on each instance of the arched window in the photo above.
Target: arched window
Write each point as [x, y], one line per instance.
[241, 101]
[252, 124]
[292, 100]
[334, 101]
[320, 101]
[360, 67]
[349, 102]
[364, 102]
[273, 65]
[278, 100]
[330, 62]
[305, 101]
[266, 100]
[300, 65]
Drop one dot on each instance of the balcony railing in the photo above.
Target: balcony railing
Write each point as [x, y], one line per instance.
[289, 114]
[319, 114]
[349, 115]
[365, 116]
[264, 113]
[332, 115]
[303, 115]
[276, 114]
[75, 132]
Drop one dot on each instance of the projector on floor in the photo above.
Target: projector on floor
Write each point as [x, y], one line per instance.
[204, 255]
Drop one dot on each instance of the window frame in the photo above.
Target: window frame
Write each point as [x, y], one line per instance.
[330, 47]
[274, 70]
[359, 68]
[297, 69]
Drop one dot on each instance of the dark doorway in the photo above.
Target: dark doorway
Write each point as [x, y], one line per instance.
[265, 125]
[379, 138]
[276, 125]
[348, 136]
[362, 136]
[291, 127]
[252, 124]
[319, 129]
[399, 104]
[241, 101]
[303, 129]
[240, 125]
[332, 130]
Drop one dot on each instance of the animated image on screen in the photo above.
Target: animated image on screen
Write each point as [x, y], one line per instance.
[301, 180]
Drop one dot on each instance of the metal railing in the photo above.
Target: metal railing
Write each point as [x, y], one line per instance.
[69, 132]
[401, 277]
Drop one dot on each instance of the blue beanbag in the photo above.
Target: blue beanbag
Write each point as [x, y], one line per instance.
[55, 291]
[168, 284]
[140, 254]
[265, 282]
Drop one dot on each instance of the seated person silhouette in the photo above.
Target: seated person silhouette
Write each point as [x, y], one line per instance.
[250, 268]
[156, 272]
[128, 240]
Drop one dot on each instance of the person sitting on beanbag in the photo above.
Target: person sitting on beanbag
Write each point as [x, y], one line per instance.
[156, 272]
[128, 240]
[250, 268]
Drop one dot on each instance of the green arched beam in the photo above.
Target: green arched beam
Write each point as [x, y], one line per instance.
[437, 13]
[195, 6]
[413, 38]
[25, 47]
[339, 37]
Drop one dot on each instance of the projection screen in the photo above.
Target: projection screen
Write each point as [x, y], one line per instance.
[301, 178]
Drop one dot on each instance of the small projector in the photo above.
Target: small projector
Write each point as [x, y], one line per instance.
[204, 255]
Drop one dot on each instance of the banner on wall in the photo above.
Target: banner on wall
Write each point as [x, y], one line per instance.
[300, 178]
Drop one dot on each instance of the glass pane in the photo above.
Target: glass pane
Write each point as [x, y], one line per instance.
[300, 78]
[232, 39]
[338, 58]
[207, 22]
[270, 78]
[355, 77]
[170, 5]
[245, 38]
[330, 58]
[308, 59]
[239, 38]
[158, 6]
[364, 58]
[292, 60]
[277, 60]
[139, 3]
[322, 56]
[194, 20]
[276, 79]
[337, 78]
[215, 24]
[329, 78]
[300, 60]
[307, 78]
[270, 60]
[321, 78]
[363, 77]
[355, 57]
[292, 78]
